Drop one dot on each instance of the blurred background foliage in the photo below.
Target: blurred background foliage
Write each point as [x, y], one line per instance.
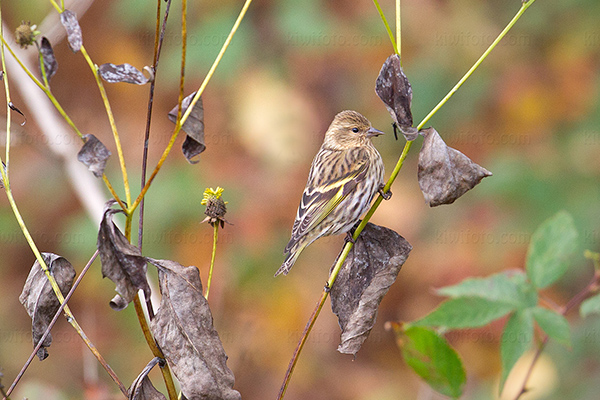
[530, 115]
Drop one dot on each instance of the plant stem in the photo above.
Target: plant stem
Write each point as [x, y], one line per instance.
[111, 120]
[398, 31]
[524, 6]
[572, 303]
[307, 329]
[158, 40]
[165, 370]
[191, 106]
[387, 27]
[212, 258]
[8, 111]
[47, 332]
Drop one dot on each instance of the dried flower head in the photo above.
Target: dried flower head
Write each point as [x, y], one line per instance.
[25, 34]
[215, 206]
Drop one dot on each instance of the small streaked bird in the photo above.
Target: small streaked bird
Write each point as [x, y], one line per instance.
[344, 176]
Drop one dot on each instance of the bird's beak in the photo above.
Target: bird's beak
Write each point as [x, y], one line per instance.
[373, 132]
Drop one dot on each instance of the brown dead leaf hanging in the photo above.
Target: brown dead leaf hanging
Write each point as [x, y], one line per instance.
[122, 262]
[39, 298]
[444, 173]
[365, 277]
[393, 88]
[94, 155]
[69, 20]
[142, 388]
[48, 59]
[122, 73]
[183, 328]
[193, 126]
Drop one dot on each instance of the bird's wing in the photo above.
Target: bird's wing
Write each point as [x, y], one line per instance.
[328, 184]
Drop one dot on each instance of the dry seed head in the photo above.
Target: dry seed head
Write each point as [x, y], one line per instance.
[215, 206]
[25, 34]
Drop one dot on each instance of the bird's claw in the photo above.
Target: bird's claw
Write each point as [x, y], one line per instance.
[349, 237]
[386, 195]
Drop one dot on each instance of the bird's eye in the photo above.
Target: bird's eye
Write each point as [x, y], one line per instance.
[355, 130]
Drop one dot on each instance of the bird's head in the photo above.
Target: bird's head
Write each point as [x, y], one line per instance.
[349, 129]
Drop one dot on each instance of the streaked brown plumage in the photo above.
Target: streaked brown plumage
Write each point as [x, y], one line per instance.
[344, 176]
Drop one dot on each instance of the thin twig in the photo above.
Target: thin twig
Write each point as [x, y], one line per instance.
[572, 303]
[212, 258]
[305, 333]
[387, 27]
[158, 40]
[51, 325]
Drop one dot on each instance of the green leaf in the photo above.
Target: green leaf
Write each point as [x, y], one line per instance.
[432, 358]
[509, 287]
[516, 340]
[554, 324]
[466, 312]
[590, 306]
[550, 250]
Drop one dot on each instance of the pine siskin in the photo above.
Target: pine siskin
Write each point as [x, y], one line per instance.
[344, 176]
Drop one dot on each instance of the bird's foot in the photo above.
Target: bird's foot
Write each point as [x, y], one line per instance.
[349, 236]
[386, 195]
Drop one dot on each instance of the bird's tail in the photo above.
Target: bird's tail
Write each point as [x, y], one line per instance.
[290, 260]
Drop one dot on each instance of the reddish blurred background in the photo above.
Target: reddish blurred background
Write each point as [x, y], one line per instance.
[530, 114]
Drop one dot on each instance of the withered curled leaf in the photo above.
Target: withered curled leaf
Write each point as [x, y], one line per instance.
[48, 59]
[393, 88]
[69, 20]
[445, 173]
[183, 328]
[122, 73]
[122, 262]
[94, 155]
[142, 388]
[365, 277]
[39, 299]
[193, 127]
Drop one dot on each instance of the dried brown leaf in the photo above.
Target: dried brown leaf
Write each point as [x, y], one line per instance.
[122, 73]
[122, 262]
[142, 388]
[183, 328]
[393, 88]
[69, 20]
[193, 127]
[39, 299]
[94, 155]
[48, 59]
[365, 277]
[444, 173]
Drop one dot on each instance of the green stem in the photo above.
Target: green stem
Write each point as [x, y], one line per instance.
[387, 27]
[212, 258]
[524, 6]
[398, 31]
[111, 120]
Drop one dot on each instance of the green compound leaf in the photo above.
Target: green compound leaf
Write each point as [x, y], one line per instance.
[516, 340]
[432, 358]
[554, 324]
[509, 287]
[590, 306]
[466, 312]
[551, 247]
